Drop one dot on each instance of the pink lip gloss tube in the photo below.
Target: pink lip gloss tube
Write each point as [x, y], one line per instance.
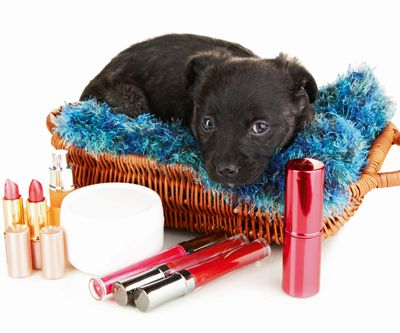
[187, 280]
[102, 287]
[123, 291]
[303, 227]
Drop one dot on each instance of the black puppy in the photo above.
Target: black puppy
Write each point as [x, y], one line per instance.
[241, 108]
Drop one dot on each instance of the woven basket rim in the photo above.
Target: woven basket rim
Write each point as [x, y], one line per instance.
[370, 177]
[370, 169]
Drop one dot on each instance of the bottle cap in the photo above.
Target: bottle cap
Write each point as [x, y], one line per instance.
[60, 172]
[162, 291]
[123, 291]
[304, 196]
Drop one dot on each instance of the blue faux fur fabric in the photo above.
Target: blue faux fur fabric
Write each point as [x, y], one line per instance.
[351, 112]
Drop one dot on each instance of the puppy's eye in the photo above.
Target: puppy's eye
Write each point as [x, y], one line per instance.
[207, 123]
[259, 127]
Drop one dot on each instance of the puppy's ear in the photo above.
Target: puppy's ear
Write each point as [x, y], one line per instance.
[302, 79]
[199, 62]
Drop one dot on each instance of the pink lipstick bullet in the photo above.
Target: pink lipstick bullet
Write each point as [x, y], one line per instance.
[13, 207]
[36, 208]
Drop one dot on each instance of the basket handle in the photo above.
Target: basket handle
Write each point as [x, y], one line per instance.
[50, 117]
[388, 179]
[371, 178]
[56, 141]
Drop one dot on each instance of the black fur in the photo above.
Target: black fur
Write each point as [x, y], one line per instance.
[207, 81]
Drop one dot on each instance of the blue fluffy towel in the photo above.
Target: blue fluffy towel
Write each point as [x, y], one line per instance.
[350, 113]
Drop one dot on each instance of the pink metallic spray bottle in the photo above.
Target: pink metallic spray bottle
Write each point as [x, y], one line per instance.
[303, 227]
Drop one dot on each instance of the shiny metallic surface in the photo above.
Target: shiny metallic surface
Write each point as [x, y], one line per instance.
[162, 291]
[303, 227]
[37, 218]
[13, 212]
[123, 291]
[36, 254]
[60, 172]
[53, 252]
[18, 251]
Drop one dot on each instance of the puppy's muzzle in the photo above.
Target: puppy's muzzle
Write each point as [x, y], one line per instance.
[227, 170]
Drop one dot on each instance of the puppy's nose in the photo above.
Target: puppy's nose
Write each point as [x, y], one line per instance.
[227, 169]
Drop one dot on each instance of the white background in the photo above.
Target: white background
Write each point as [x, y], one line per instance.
[48, 53]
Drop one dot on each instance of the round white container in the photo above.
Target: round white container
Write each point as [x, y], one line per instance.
[112, 225]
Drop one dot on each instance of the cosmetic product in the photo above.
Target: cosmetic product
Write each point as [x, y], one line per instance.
[123, 291]
[185, 281]
[13, 207]
[36, 212]
[111, 225]
[53, 253]
[101, 287]
[61, 183]
[18, 250]
[303, 227]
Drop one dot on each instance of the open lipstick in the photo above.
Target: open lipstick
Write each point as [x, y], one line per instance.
[13, 208]
[102, 287]
[123, 291]
[185, 281]
[61, 183]
[36, 212]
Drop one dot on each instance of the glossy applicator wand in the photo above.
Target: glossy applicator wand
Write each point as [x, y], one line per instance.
[102, 287]
[13, 207]
[185, 281]
[36, 212]
[123, 291]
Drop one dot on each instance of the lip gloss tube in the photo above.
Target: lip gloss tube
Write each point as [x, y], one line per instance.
[61, 183]
[123, 291]
[185, 281]
[36, 212]
[102, 287]
[13, 207]
[303, 227]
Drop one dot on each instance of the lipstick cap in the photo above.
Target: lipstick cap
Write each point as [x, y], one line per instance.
[304, 196]
[18, 250]
[303, 227]
[123, 291]
[53, 252]
[162, 291]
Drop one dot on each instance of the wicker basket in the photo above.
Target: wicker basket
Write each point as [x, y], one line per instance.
[189, 206]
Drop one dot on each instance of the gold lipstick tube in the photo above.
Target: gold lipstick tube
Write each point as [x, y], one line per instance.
[61, 183]
[13, 212]
[36, 213]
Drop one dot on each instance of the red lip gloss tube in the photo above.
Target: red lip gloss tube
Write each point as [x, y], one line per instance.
[102, 287]
[185, 281]
[303, 227]
[123, 291]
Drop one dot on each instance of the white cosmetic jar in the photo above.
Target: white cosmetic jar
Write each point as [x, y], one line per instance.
[111, 225]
